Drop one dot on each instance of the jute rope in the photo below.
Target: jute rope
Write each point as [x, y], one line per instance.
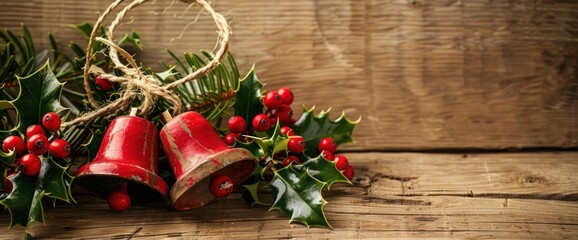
[133, 80]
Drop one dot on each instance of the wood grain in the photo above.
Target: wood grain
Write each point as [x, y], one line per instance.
[423, 74]
[394, 196]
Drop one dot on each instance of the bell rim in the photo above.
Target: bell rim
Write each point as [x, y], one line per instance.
[181, 186]
[93, 169]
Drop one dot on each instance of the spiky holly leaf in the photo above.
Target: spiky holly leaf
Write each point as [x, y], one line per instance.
[133, 38]
[253, 147]
[322, 169]
[248, 97]
[39, 94]
[313, 128]
[25, 200]
[252, 185]
[93, 144]
[299, 196]
[269, 145]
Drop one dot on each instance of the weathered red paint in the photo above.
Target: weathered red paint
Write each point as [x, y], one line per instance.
[195, 151]
[128, 153]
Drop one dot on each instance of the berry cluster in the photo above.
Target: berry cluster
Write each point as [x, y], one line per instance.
[278, 109]
[327, 147]
[34, 145]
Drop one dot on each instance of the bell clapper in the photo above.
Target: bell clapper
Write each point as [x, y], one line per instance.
[221, 186]
[119, 200]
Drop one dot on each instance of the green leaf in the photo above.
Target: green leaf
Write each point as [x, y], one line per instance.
[92, 145]
[314, 128]
[20, 202]
[248, 98]
[133, 38]
[85, 28]
[25, 200]
[253, 147]
[39, 94]
[252, 185]
[269, 145]
[299, 196]
[322, 169]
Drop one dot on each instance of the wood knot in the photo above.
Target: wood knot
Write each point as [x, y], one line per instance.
[534, 179]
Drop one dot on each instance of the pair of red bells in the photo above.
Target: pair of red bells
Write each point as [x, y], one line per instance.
[195, 152]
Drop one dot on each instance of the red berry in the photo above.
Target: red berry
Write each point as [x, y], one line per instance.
[51, 121]
[221, 186]
[33, 130]
[119, 200]
[59, 148]
[349, 172]
[286, 131]
[30, 165]
[290, 159]
[230, 139]
[272, 100]
[261, 122]
[37, 144]
[237, 124]
[286, 95]
[8, 186]
[328, 155]
[327, 144]
[14, 143]
[284, 113]
[341, 162]
[103, 84]
[296, 144]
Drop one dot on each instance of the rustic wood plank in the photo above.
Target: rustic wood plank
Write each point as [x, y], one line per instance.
[394, 196]
[423, 74]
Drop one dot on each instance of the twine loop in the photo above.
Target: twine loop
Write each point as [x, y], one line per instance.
[133, 81]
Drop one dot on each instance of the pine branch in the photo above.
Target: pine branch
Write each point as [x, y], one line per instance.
[209, 95]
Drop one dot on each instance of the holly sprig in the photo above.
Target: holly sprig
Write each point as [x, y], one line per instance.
[297, 186]
[39, 94]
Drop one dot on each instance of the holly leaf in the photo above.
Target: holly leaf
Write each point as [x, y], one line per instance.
[39, 94]
[25, 200]
[133, 38]
[248, 97]
[21, 201]
[272, 144]
[253, 147]
[92, 145]
[252, 185]
[298, 195]
[322, 169]
[313, 128]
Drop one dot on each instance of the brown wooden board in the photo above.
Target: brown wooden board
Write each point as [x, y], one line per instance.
[422, 74]
[394, 196]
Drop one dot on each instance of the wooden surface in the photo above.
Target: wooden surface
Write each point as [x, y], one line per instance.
[394, 196]
[441, 74]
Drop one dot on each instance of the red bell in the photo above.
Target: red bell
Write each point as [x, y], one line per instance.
[128, 153]
[196, 153]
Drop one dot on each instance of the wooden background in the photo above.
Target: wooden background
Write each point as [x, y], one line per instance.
[425, 75]
[444, 74]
